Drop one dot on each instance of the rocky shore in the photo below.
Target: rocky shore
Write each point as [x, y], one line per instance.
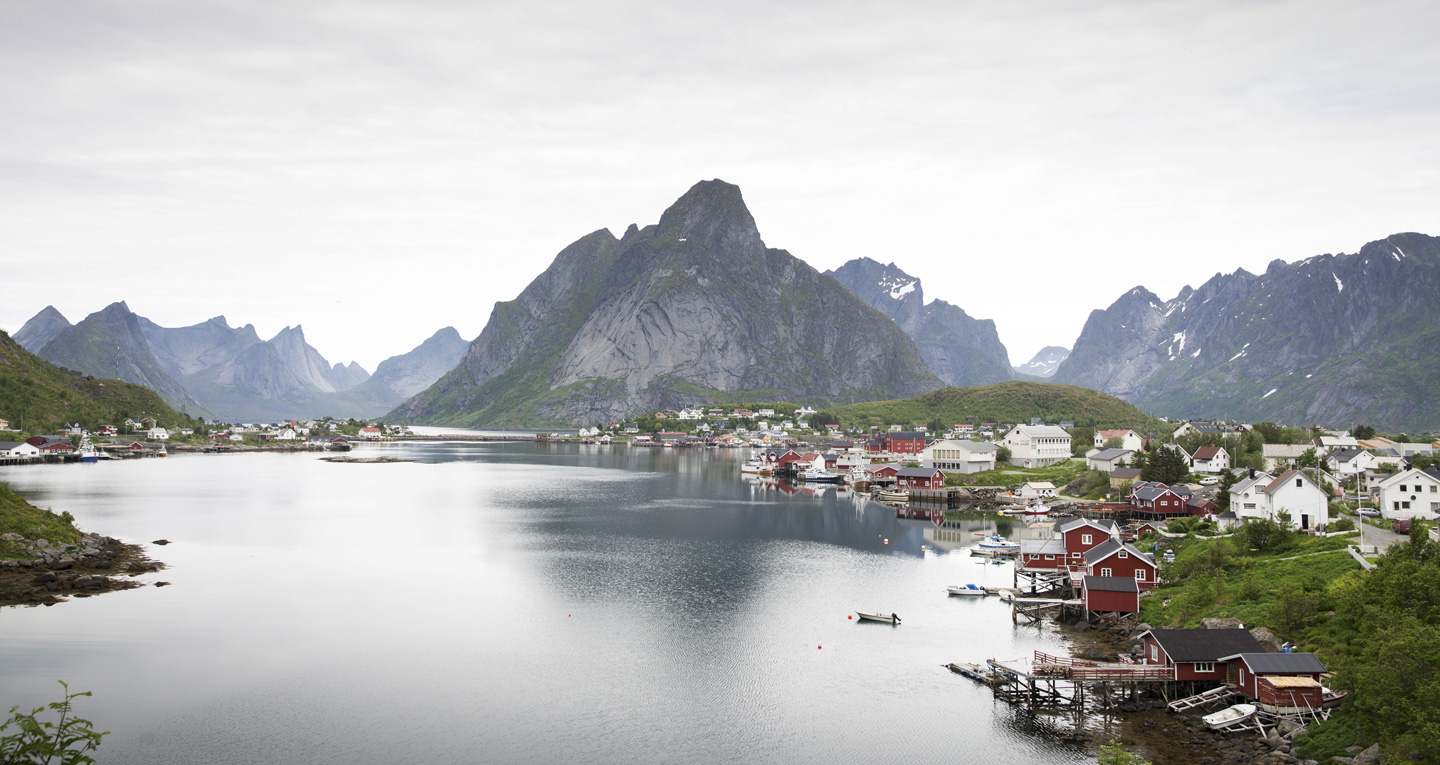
[1148, 727]
[47, 573]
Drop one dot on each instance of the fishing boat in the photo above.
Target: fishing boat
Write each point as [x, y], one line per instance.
[756, 466]
[820, 476]
[162, 452]
[88, 452]
[1227, 717]
[972, 590]
[876, 616]
[996, 544]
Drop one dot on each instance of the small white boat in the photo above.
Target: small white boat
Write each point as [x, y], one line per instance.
[1007, 596]
[972, 590]
[887, 495]
[820, 476]
[1036, 508]
[162, 452]
[1227, 717]
[998, 544]
[876, 616]
[756, 466]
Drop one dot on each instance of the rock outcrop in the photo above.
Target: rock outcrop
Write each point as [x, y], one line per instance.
[695, 309]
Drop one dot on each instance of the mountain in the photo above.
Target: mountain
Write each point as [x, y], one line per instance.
[693, 310]
[41, 329]
[1014, 401]
[1334, 339]
[39, 397]
[410, 373]
[959, 349]
[109, 343]
[1045, 362]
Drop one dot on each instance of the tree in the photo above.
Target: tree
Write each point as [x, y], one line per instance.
[1227, 482]
[1362, 432]
[1002, 455]
[1308, 459]
[37, 741]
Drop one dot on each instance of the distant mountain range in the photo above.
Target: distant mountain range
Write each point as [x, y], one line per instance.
[959, 349]
[1045, 363]
[212, 369]
[693, 310]
[1334, 339]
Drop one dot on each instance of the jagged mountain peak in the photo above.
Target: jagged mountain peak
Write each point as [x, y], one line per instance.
[713, 214]
[41, 329]
[1045, 362]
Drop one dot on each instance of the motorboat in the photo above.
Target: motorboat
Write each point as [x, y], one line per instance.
[997, 544]
[972, 590]
[1036, 508]
[1227, 717]
[820, 476]
[88, 452]
[162, 452]
[876, 616]
[756, 466]
[889, 495]
[1330, 699]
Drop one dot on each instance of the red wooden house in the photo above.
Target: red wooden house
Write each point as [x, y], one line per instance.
[1082, 535]
[882, 472]
[1119, 594]
[1290, 681]
[904, 442]
[919, 478]
[1116, 558]
[1157, 499]
[1198, 655]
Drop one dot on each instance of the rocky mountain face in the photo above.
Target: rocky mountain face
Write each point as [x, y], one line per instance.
[961, 350]
[1334, 339]
[216, 370]
[109, 343]
[693, 310]
[41, 329]
[1045, 362]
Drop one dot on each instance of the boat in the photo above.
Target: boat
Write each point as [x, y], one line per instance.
[888, 495]
[1007, 597]
[162, 452]
[756, 466]
[996, 544]
[972, 590]
[88, 452]
[1036, 508]
[1227, 717]
[819, 476]
[1330, 699]
[876, 616]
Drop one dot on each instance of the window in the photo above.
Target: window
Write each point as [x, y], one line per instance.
[1205, 666]
[1049, 557]
[1402, 487]
[1139, 574]
[1154, 652]
[1124, 554]
[1242, 675]
[1084, 539]
[1104, 572]
[1299, 482]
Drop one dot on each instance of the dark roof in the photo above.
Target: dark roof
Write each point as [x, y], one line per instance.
[1109, 454]
[1150, 493]
[1345, 455]
[1206, 452]
[1205, 645]
[916, 472]
[1111, 583]
[1198, 500]
[1205, 427]
[906, 434]
[1110, 547]
[1075, 523]
[1261, 663]
[8, 445]
[1125, 473]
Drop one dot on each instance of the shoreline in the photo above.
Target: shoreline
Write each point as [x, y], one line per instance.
[55, 573]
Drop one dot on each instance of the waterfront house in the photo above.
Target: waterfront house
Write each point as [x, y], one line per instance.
[1264, 496]
[1290, 681]
[1037, 445]
[157, 434]
[956, 456]
[919, 478]
[1107, 460]
[1115, 558]
[1210, 459]
[1197, 655]
[1051, 545]
[903, 442]
[882, 472]
[1117, 594]
[18, 450]
[1129, 439]
[1036, 489]
[631, 427]
[51, 444]
[370, 432]
[1410, 494]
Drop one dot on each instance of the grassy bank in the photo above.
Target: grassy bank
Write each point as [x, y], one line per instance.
[1059, 474]
[20, 517]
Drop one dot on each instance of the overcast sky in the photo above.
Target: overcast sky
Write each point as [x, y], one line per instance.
[376, 171]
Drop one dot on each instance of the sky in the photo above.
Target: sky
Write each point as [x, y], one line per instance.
[375, 171]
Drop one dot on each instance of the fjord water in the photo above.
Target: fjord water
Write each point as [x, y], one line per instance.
[515, 603]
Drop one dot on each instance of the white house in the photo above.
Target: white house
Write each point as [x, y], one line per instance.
[1264, 496]
[157, 434]
[805, 411]
[1035, 489]
[1210, 459]
[1106, 460]
[1037, 445]
[286, 434]
[765, 413]
[1129, 439]
[1280, 457]
[959, 456]
[1410, 494]
[1348, 462]
[20, 449]
[368, 432]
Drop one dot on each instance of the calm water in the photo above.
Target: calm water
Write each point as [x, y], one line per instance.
[514, 603]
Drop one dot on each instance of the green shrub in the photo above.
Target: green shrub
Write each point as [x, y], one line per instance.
[35, 741]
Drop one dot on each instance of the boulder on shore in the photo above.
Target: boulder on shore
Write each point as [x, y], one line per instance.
[1266, 639]
[1225, 623]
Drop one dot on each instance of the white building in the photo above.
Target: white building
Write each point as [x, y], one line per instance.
[18, 449]
[1210, 459]
[959, 456]
[1264, 496]
[157, 434]
[1108, 460]
[1410, 494]
[1037, 445]
[1281, 457]
[368, 432]
[1348, 462]
[1129, 439]
[1036, 489]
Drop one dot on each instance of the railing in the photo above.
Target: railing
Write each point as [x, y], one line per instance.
[1063, 661]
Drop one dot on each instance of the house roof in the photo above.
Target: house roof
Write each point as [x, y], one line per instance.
[1038, 484]
[1107, 525]
[916, 472]
[1262, 663]
[1111, 583]
[1345, 455]
[1204, 427]
[1125, 473]
[1205, 645]
[1110, 454]
[1042, 431]
[1198, 501]
[8, 445]
[1109, 434]
[1150, 493]
[1112, 546]
[908, 435]
[1278, 482]
[1207, 452]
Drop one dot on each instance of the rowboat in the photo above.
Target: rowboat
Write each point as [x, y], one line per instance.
[1331, 699]
[1227, 717]
[886, 495]
[876, 616]
[973, 590]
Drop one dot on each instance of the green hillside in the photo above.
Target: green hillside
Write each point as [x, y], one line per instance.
[40, 397]
[1007, 402]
